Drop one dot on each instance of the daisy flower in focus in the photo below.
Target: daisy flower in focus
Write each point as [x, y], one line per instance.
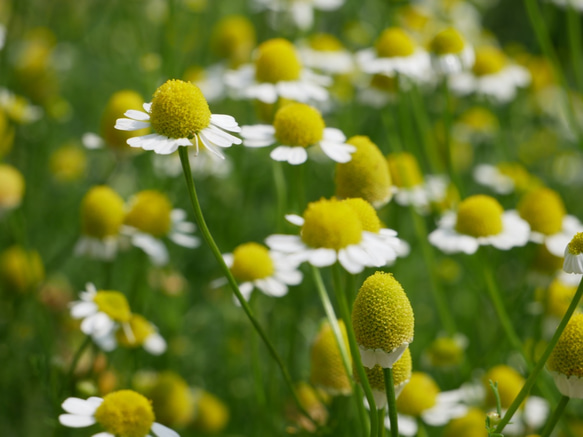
[450, 52]
[149, 218]
[301, 12]
[119, 413]
[296, 127]
[348, 231]
[180, 116]
[325, 53]
[480, 220]
[574, 255]
[277, 72]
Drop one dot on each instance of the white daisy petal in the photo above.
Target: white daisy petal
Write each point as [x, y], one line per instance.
[155, 344]
[225, 122]
[80, 407]
[322, 257]
[229, 259]
[163, 431]
[297, 156]
[146, 142]
[285, 243]
[338, 152]
[127, 124]
[273, 287]
[103, 434]
[81, 309]
[220, 137]
[295, 219]
[292, 277]
[184, 240]
[334, 135]
[153, 247]
[210, 146]
[351, 265]
[137, 115]
[246, 288]
[147, 107]
[76, 421]
[280, 153]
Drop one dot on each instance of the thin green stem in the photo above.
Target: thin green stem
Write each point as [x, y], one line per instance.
[77, 357]
[391, 401]
[362, 415]
[424, 126]
[206, 234]
[381, 420]
[542, 360]
[281, 193]
[554, 419]
[447, 128]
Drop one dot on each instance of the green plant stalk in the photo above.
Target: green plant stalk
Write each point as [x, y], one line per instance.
[554, 419]
[381, 420]
[77, 357]
[281, 193]
[206, 234]
[541, 362]
[391, 401]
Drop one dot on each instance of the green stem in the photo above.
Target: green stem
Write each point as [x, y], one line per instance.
[447, 128]
[555, 417]
[541, 362]
[381, 420]
[425, 128]
[77, 357]
[391, 401]
[204, 230]
[281, 193]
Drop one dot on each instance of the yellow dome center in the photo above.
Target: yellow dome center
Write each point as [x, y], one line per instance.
[448, 41]
[479, 216]
[251, 261]
[394, 42]
[567, 356]
[298, 124]
[102, 212]
[543, 209]
[141, 329]
[404, 169]
[331, 224]
[125, 413]
[366, 213]
[11, 187]
[489, 60]
[509, 381]
[179, 110]
[576, 244]
[150, 213]
[114, 304]
[324, 42]
[277, 62]
[418, 395]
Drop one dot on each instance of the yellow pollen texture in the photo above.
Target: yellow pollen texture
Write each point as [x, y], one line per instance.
[448, 41]
[330, 224]
[102, 212]
[179, 110]
[125, 413]
[418, 395]
[382, 315]
[404, 169]
[543, 209]
[394, 42]
[324, 42]
[366, 213]
[509, 381]
[298, 124]
[251, 261]
[149, 212]
[576, 244]
[117, 105]
[479, 216]
[489, 60]
[277, 62]
[567, 356]
[366, 175]
[141, 330]
[114, 304]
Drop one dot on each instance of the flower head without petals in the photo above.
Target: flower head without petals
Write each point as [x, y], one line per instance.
[566, 360]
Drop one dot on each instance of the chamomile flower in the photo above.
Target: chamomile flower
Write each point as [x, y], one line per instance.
[18, 108]
[142, 333]
[476, 125]
[296, 127]
[300, 12]
[346, 231]
[12, 186]
[324, 52]
[566, 360]
[179, 116]
[211, 413]
[450, 52]
[254, 266]
[277, 72]
[574, 255]
[380, 90]
[233, 38]
[209, 80]
[505, 177]
[120, 413]
[21, 270]
[150, 218]
[480, 220]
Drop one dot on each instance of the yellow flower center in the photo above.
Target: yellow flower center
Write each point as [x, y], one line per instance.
[179, 110]
[141, 329]
[117, 105]
[382, 315]
[489, 60]
[520, 176]
[326, 367]
[21, 270]
[445, 352]
[448, 41]
[366, 175]
[480, 119]
[567, 356]
[125, 413]
[11, 187]
[366, 213]
[102, 212]
[418, 395]
[559, 296]
[413, 17]
[331, 224]
[479, 216]
[385, 83]
[233, 37]
[114, 304]
[470, 425]
[543, 209]
[68, 163]
[394, 42]
[172, 400]
[277, 62]
[251, 261]
[509, 381]
[576, 244]
[324, 42]
[150, 212]
[298, 124]
[404, 169]
[212, 415]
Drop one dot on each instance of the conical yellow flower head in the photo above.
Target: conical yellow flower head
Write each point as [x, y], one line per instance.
[212, 415]
[179, 110]
[326, 367]
[559, 296]
[325, 42]
[394, 42]
[233, 38]
[277, 62]
[567, 356]
[117, 105]
[68, 163]
[445, 352]
[251, 261]
[330, 224]
[298, 124]
[418, 395]
[172, 400]
[470, 425]
[543, 209]
[11, 187]
[489, 60]
[149, 212]
[382, 316]
[401, 374]
[114, 304]
[366, 175]
[102, 212]
[404, 169]
[366, 213]
[21, 270]
[448, 41]
[125, 413]
[479, 216]
[575, 246]
[509, 381]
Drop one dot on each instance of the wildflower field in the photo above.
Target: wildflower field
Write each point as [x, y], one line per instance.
[291, 217]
